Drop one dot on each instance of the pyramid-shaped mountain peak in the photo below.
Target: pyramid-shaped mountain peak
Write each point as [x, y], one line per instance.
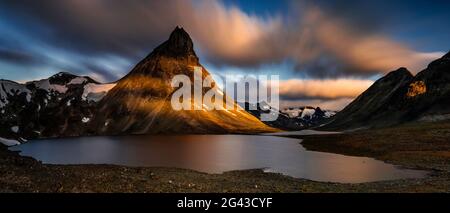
[179, 45]
[174, 56]
[141, 102]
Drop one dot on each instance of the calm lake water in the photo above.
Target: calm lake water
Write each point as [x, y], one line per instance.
[216, 154]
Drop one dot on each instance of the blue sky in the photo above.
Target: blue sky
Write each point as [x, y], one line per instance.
[260, 7]
[316, 40]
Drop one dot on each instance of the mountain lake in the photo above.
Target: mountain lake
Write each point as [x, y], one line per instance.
[216, 154]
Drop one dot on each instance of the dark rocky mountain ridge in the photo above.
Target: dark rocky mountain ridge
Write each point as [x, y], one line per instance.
[400, 97]
[57, 106]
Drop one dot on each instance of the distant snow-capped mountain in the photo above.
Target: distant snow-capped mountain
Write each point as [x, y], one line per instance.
[52, 107]
[307, 112]
[294, 118]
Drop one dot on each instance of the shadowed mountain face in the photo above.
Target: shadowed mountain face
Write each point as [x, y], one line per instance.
[400, 97]
[140, 103]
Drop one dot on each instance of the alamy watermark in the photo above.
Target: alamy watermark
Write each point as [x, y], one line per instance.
[207, 96]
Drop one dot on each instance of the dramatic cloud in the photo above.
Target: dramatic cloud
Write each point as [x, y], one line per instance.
[332, 94]
[17, 57]
[319, 44]
[325, 89]
[229, 36]
[359, 51]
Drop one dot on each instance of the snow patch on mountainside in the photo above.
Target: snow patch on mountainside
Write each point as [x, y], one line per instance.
[45, 85]
[85, 120]
[292, 112]
[9, 142]
[10, 88]
[15, 129]
[95, 92]
[78, 80]
[329, 114]
[307, 113]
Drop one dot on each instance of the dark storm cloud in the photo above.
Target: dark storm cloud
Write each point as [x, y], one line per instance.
[95, 27]
[326, 65]
[365, 16]
[18, 57]
[14, 52]
[374, 15]
[134, 28]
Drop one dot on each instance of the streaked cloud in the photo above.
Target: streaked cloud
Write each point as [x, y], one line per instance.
[318, 43]
[359, 51]
[323, 88]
